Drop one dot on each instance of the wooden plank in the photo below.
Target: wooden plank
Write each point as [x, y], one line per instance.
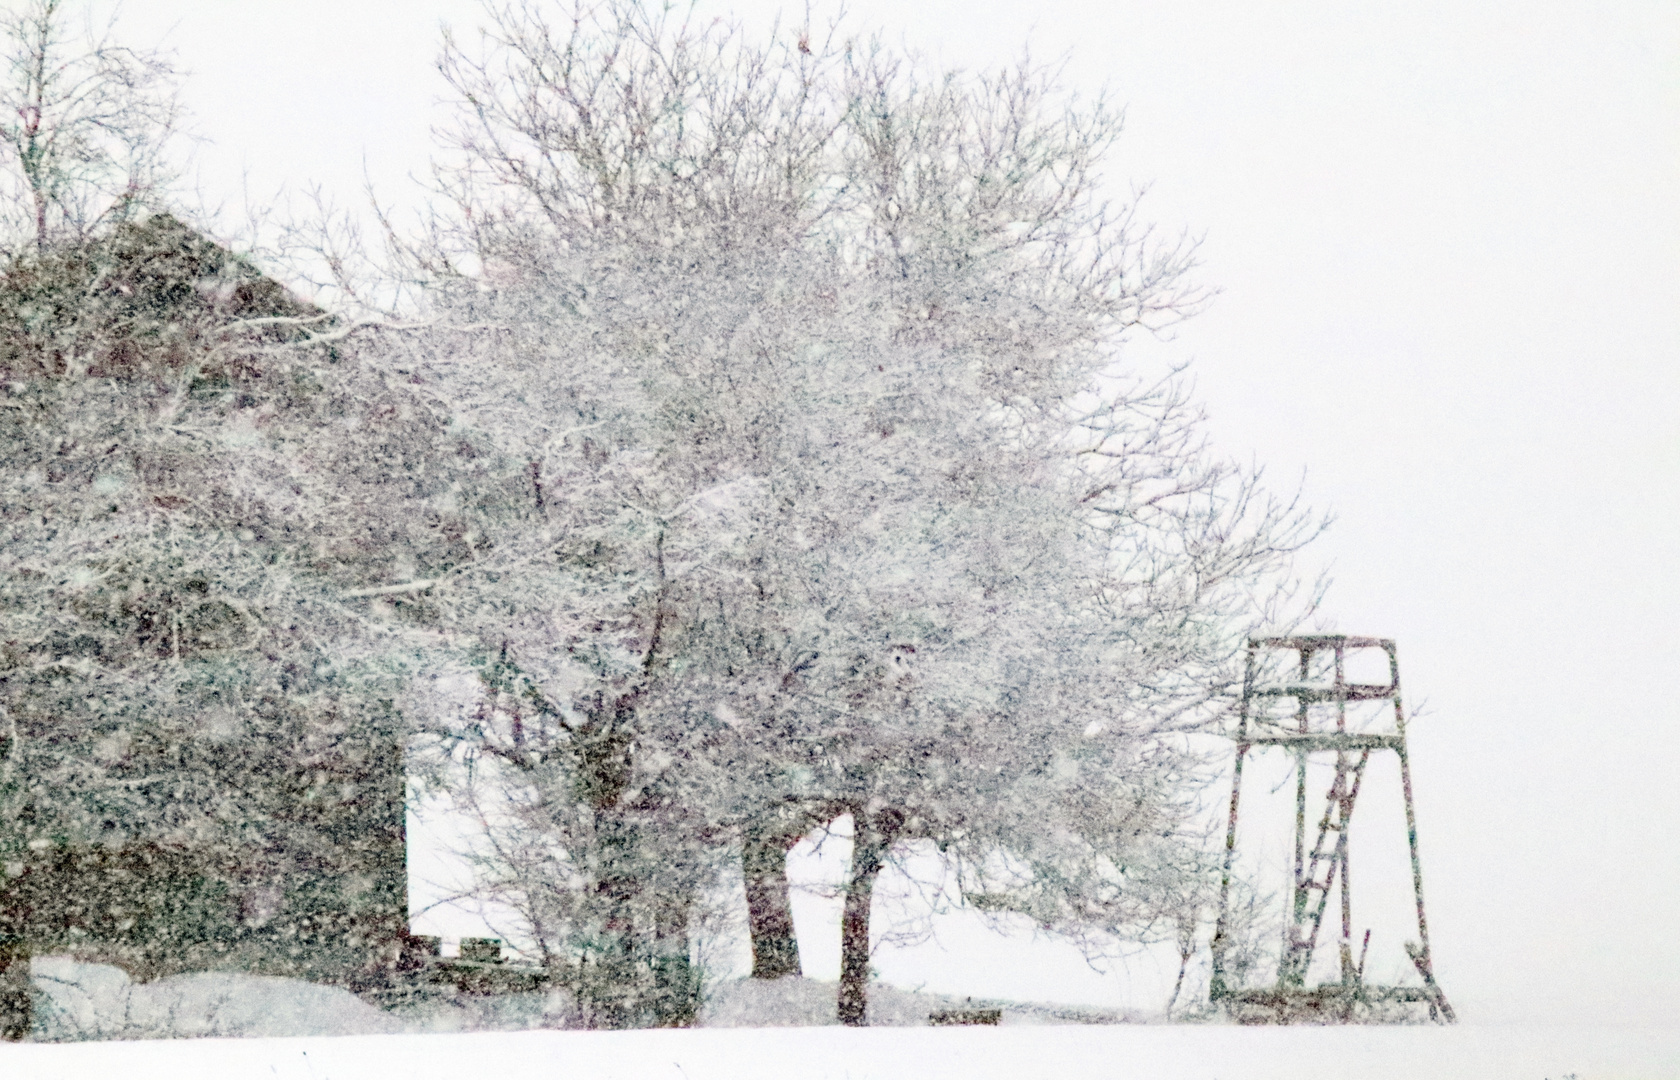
[1329, 741]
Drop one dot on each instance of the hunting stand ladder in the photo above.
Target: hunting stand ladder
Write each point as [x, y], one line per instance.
[1323, 867]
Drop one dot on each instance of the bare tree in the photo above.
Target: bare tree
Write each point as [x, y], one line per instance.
[86, 122]
[811, 481]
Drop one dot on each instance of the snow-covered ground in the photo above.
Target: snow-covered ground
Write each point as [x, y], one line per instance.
[78, 1002]
[1158, 1052]
[748, 1030]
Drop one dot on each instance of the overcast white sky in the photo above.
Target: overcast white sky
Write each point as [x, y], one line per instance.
[1448, 246]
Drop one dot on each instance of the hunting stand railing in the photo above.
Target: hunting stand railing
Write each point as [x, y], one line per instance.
[1323, 867]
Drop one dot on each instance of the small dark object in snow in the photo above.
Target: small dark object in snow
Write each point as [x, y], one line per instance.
[965, 1016]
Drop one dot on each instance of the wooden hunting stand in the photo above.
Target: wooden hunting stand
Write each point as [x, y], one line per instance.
[1323, 867]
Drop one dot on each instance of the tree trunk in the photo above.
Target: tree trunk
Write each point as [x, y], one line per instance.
[775, 946]
[16, 1006]
[872, 837]
[609, 990]
[676, 988]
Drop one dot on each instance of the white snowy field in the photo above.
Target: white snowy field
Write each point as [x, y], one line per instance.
[785, 1029]
[1158, 1052]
